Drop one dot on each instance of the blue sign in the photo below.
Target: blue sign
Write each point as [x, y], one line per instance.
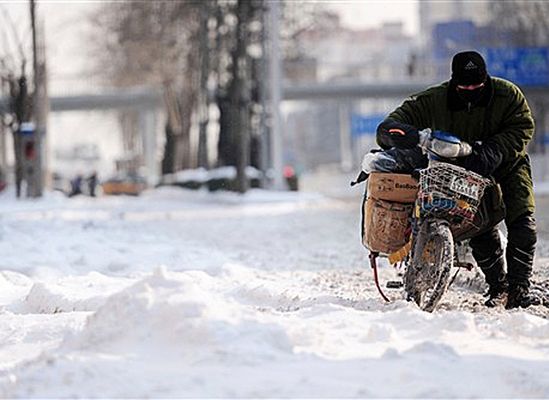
[365, 124]
[451, 37]
[26, 128]
[525, 66]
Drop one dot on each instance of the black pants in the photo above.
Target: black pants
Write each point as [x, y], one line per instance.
[519, 254]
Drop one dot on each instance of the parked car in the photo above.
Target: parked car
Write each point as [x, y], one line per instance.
[124, 184]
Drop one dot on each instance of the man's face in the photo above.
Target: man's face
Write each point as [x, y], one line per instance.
[470, 93]
[470, 87]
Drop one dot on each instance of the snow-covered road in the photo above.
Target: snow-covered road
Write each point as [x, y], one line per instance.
[189, 294]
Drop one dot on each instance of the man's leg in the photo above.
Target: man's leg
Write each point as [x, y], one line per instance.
[518, 195]
[488, 253]
[521, 246]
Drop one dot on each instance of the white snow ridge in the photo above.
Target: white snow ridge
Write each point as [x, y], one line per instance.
[248, 304]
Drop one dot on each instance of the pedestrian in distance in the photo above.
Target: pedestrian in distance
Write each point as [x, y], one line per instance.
[92, 183]
[76, 186]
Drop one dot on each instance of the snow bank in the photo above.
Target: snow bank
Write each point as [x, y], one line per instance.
[262, 295]
[83, 293]
[13, 285]
[167, 310]
[248, 333]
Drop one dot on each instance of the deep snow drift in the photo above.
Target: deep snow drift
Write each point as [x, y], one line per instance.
[189, 294]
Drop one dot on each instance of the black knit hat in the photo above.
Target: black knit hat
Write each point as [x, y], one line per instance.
[468, 68]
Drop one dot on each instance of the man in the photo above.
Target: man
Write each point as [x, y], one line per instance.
[493, 115]
[92, 183]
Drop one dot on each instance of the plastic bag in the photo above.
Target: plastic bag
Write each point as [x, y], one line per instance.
[380, 161]
[394, 160]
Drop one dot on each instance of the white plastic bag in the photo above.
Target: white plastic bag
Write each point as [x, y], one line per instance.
[380, 161]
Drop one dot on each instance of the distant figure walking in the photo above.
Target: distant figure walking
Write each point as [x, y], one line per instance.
[76, 186]
[92, 183]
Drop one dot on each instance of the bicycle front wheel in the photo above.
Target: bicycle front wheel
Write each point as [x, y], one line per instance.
[428, 275]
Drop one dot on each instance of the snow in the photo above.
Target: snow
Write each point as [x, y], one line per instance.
[202, 175]
[180, 293]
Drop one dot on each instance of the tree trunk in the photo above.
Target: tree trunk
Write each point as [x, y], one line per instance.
[204, 100]
[21, 107]
[169, 151]
[225, 148]
[225, 155]
[240, 95]
[177, 152]
[187, 104]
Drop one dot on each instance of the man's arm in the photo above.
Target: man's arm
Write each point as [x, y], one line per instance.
[400, 128]
[517, 128]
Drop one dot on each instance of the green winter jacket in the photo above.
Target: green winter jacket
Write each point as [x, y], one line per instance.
[502, 117]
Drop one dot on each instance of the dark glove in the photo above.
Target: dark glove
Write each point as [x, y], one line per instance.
[416, 174]
[391, 133]
[484, 159]
[408, 159]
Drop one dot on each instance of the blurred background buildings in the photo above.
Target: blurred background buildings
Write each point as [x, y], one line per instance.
[198, 79]
[509, 34]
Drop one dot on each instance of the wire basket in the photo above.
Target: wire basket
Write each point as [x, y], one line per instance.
[450, 192]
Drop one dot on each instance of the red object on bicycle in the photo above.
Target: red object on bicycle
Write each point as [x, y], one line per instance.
[398, 131]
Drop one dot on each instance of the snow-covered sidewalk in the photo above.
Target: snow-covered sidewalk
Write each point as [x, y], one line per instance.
[188, 294]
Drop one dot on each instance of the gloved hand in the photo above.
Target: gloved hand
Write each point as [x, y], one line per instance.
[408, 159]
[484, 159]
[391, 133]
[416, 174]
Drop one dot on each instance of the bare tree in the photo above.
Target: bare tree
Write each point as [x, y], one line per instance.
[154, 43]
[202, 53]
[521, 23]
[13, 74]
[241, 72]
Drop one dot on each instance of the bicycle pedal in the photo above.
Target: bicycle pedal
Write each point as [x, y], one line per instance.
[394, 284]
[467, 266]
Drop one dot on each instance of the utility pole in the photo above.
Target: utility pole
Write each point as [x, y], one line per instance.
[275, 75]
[39, 106]
[264, 138]
[33, 171]
[34, 44]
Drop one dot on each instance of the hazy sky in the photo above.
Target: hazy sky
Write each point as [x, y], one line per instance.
[371, 13]
[66, 23]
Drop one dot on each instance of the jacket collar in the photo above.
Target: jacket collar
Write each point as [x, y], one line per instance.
[455, 103]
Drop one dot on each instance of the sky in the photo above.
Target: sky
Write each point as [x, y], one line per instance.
[371, 13]
[67, 21]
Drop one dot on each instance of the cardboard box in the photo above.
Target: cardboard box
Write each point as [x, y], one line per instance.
[386, 225]
[401, 188]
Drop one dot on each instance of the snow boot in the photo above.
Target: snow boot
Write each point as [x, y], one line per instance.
[521, 246]
[488, 253]
[497, 294]
[521, 296]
